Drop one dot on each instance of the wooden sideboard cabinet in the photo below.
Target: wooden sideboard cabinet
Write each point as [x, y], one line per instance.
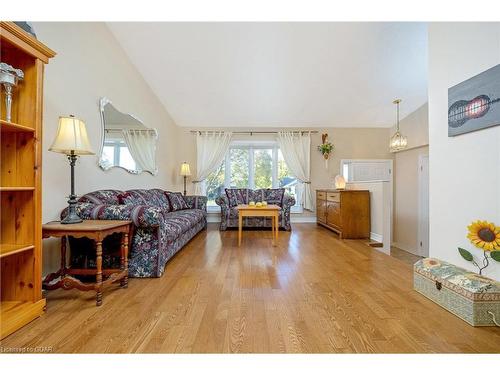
[346, 212]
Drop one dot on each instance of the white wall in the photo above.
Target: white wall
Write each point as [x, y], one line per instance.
[406, 198]
[415, 126]
[464, 170]
[90, 64]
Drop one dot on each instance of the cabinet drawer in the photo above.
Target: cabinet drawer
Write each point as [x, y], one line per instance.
[333, 217]
[321, 210]
[320, 195]
[333, 197]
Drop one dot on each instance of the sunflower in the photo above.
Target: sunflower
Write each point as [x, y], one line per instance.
[484, 235]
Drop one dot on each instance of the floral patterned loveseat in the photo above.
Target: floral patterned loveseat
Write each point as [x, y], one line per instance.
[233, 197]
[163, 222]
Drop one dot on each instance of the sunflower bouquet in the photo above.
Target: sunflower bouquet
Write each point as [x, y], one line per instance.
[485, 236]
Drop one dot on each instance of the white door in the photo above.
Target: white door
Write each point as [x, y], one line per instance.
[423, 206]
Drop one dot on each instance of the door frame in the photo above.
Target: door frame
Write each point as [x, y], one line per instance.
[423, 188]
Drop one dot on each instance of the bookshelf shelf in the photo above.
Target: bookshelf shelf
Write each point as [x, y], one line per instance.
[21, 191]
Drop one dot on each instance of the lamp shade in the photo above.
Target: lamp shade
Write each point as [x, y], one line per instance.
[339, 182]
[71, 137]
[185, 171]
[398, 141]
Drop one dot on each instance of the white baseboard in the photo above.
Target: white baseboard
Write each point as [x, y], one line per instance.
[215, 218]
[302, 219]
[376, 237]
[406, 248]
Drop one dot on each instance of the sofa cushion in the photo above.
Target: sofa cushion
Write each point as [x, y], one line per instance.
[134, 197]
[236, 196]
[179, 222]
[273, 196]
[176, 201]
[159, 198]
[102, 197]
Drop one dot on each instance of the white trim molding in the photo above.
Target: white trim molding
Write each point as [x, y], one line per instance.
[376, 237]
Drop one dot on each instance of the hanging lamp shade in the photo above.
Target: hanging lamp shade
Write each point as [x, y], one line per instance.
[71, 137]
[398, 141]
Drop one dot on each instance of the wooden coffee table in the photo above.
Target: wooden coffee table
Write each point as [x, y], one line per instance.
[96, 230]
[271, 210]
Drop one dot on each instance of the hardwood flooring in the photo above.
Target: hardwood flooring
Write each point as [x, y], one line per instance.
[312, 293]
[404, 256]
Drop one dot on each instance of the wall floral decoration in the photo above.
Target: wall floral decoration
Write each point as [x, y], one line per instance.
[326, 148]
[485, 236]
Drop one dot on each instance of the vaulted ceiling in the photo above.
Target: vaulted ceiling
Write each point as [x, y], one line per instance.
[280, 74]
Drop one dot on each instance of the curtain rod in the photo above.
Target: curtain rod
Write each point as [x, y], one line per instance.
[255, 132]
[120, 130]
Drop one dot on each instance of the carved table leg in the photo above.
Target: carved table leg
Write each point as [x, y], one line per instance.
[63, 256]
[99, 273]
[124, 259]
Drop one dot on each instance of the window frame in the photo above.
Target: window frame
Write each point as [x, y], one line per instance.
[117, 145]
[251, 146]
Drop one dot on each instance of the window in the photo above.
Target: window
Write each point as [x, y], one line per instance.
[117, 153]
[254, 166]
[375, 170]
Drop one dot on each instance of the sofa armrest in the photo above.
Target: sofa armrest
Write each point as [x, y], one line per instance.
[288, 201]
[222, 201]
[196, 201]
[140, 215]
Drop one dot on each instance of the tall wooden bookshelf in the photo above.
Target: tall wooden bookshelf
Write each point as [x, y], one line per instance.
[21, 182]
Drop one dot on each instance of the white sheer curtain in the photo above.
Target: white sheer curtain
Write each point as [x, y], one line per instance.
[142, 147]
[296, 150]
[211, 148]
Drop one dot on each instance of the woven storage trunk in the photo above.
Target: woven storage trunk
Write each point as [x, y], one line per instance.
[469, 296]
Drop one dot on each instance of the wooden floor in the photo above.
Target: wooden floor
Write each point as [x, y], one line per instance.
[312, 293]
[404, 256]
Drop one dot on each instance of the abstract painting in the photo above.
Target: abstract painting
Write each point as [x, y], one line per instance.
[475, 103]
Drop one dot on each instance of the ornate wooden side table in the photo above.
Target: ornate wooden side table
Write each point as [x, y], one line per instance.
[96, 230]
[270, 210]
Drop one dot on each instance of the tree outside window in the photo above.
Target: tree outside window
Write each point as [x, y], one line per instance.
[252, 166]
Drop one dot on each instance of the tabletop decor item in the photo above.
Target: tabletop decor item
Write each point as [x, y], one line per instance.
[474, 104]
[485, 236]
[326, 148]
[9, 78]
[71, 140]
[339, 182]
[185, 172]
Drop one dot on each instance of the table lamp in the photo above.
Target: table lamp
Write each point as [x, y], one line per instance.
[185, 172]
[71, 140]
[339, 182]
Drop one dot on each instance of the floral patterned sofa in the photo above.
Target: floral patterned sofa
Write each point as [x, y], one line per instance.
[163, 222]
[234, 197]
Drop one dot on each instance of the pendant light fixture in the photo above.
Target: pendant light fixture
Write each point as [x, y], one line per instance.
[398, 141]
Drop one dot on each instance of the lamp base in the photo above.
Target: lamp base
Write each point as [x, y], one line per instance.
[71, 217]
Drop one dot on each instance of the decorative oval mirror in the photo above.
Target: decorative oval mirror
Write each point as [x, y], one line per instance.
[126, 142]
